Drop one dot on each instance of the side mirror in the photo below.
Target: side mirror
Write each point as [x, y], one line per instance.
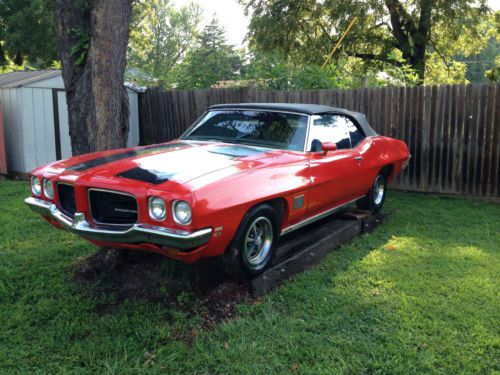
[328, 146]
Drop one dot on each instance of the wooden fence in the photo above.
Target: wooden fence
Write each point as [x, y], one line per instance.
[452, 131]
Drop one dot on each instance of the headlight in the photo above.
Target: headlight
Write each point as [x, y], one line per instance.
[157, 208]
[48, 188]
[36, 187]
[182, 212]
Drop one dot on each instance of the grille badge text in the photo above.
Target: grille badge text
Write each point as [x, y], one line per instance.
[125, 211]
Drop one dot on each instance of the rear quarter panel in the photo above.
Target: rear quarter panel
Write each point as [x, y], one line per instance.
[380, 151]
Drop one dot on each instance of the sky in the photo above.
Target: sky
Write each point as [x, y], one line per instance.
[232, 17]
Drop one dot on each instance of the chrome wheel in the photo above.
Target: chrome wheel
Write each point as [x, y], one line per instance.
[378, 190]
[258, 243]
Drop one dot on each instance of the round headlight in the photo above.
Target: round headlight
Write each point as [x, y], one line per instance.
[36, 187]
[48, 188]
[157, 208]
[182, 212]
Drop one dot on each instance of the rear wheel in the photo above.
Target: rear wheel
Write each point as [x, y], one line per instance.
[374, 199]
[254, 244]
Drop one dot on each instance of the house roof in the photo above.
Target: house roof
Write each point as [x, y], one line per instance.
[25, 77]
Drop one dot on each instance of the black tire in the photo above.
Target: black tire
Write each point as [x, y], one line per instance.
[375, 198]
[238, 258]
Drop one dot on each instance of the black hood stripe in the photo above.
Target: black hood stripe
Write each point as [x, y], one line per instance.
[123, 155]
[160, 171]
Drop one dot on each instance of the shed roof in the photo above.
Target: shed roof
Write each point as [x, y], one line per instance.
[24, 77]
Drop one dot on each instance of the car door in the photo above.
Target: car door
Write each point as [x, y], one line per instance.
[336, 176]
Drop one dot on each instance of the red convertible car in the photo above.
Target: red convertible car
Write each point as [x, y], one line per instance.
[236, 181]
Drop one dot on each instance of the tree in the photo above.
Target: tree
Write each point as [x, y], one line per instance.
[308, 29]
[92, 40]
[27, 32]
[212, 60]
[493, 74]
[483, 60]
[276, 72]
[160, 36]
[478, 64]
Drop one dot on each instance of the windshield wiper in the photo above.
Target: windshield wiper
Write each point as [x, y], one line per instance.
[204, 138]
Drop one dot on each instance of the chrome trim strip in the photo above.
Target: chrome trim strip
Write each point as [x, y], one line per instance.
[138, 233]
[258, 110]
[114, 192]
[317, 217]
[308, 132]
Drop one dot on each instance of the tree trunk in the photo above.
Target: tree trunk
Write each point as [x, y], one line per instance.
[92, 41]
[411, 37]
[18, 59]
[3, 58]
[417, 62]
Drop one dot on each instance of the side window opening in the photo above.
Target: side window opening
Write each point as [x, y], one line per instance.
[334, 128]
[355, 133]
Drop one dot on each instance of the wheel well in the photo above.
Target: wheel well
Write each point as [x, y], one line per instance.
[387, 171]
[281, 207]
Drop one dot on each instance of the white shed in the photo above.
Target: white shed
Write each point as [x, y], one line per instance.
[35, 119]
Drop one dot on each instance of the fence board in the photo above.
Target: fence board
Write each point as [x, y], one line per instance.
[452, 132]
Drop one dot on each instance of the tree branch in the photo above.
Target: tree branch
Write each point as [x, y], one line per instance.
[424, 24]
[374, 57]
[322, 27]
[401, 27]
[305, 33]
[376, 26]
[446, 63]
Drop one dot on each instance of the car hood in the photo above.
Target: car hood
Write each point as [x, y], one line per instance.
[180, 161]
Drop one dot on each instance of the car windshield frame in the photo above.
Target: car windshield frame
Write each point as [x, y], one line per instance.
[185, 136]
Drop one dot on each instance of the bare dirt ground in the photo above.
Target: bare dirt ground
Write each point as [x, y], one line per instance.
[203, 289]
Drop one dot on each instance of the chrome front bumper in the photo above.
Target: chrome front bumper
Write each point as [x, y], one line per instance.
[138, 233]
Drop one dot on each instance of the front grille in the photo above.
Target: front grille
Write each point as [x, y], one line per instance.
[66, 194]
[112, 208]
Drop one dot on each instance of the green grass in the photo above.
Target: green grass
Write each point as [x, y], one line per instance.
[418, 295]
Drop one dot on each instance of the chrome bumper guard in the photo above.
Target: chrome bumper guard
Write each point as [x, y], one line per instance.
[138, 233]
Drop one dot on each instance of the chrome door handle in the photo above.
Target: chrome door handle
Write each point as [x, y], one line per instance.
[358, 158]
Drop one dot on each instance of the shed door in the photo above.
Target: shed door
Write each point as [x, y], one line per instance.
[3, 158]
[63, 125]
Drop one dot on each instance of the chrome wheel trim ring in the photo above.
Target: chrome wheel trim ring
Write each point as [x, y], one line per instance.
[378, 190]
[258, 243]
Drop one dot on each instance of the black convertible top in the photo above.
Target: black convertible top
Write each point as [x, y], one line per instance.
[307, 109]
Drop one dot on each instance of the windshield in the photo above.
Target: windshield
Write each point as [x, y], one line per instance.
[256, 128]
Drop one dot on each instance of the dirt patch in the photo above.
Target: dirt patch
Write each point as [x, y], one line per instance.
[202, 289]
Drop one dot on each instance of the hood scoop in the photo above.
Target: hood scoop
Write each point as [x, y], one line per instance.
[145, 175]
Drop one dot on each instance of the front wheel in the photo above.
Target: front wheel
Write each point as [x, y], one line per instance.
[374, 199]
[254, 244]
